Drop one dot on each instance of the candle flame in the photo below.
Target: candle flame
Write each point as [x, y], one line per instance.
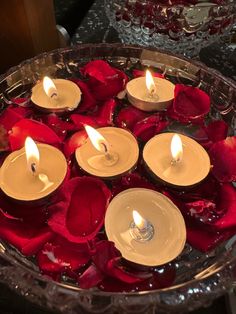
[176, 148]
[32, 154]
[98, 141]
[139, 221]
[49, 87]
[150, 83]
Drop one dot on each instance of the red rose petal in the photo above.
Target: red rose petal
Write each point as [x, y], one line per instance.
[223, 159]
[128, 117]
[80, 215]
[37, 130]
[13, 114]
[99, 69]
[103, 252]
[116, 270]
[204, 240]
[59, 126]
[132, 180]
[80, 121]
[106, 113]
[149, 127]
[190, 104]
[227, 205]
[59, 254]
[214, 132]
[30, 214]
[217, 130]
[138, 73]
[75, 141]
[105, 81]
[23, 236]
[90, 278]
[20, 101]
[88, 102]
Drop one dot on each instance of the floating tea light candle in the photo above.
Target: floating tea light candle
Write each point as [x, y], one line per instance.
[176, 159]
[56, 95]
[151, 229]
[32, 172]
[108, 152]
[150, 93]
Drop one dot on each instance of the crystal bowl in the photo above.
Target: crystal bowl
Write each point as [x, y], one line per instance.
[182, 28]
[200, 277]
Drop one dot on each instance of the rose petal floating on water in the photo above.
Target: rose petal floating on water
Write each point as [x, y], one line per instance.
[223, 159]
[37, 130]
[190, 104]
[80, 214]
[104, 81]
[25, 237]
[58, 254]
[88, 101]
[148, 127]
[129, 116]
[75, 141]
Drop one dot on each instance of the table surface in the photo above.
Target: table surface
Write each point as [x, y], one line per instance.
[95, 28]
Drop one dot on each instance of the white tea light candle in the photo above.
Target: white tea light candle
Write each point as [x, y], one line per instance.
[150, 93]
[108, 152]
[33, 172]
[176, 159]
[154, 235]
[56, 95]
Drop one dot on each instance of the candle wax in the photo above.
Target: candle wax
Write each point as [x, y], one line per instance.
[168, 223]
[68, 98]
[124, 154]
[19, 183]
[140, 97]
[192, 169]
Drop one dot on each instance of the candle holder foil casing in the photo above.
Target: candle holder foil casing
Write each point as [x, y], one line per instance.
[201, 277]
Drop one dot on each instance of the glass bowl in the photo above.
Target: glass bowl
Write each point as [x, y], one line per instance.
[200, 277]
[180, 28]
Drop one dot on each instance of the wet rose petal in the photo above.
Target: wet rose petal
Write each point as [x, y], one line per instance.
[223, 159]
[25, 237]
[58, 254]
[227, 205]
[205, 240]
[37, 130]
[190, 104]
[75, 141]
[90, 278]
[128, 117]
[106, 113]
[88, 101]
[147, 128]
[34, 215]
[105, 81]
[59, 126]
[213, 132]
[80, 215]
[12, 114]
[138, 73]
[132, 180]
[80, 121]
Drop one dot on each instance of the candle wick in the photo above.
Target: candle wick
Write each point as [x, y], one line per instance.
[108, 156]
[33, 168]
[54, 95]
